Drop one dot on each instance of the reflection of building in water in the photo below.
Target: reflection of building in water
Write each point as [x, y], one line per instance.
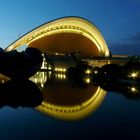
[68, 100]
[73, 111]
[3, 79]
[42, 77]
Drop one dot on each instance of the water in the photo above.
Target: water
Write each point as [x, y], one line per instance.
[68, 110]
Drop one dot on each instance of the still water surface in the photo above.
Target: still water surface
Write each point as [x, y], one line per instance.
[65, 109]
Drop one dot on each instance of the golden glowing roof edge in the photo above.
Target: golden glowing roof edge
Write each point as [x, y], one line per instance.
[71, 113]
[67, 24]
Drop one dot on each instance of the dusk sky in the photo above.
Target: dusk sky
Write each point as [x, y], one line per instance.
[118, 20]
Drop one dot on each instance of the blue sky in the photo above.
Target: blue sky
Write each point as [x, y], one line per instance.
[118, 20]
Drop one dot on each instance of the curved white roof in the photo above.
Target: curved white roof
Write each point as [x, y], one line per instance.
[75, 25]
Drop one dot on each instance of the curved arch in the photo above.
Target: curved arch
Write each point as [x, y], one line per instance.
[86, 35]
[73, 112]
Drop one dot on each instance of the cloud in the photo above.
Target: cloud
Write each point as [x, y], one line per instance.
[128, 18]
[135, 39]
[127, 46]
[124, 48]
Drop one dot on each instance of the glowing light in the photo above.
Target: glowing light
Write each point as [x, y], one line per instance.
[87, 80]
[35, 80]
[49, 68]
[56, 53]
[60, 76]
[64, 70]
[133, 89]
[88, 71]
[95, 71]
[42, 85]
[50, 72]
[133, 75]
[64, 76]
[60, 69]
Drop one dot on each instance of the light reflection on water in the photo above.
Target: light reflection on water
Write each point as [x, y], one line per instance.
[67, 99]
[114, 116]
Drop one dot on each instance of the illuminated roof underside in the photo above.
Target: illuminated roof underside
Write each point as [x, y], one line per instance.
[65, 35]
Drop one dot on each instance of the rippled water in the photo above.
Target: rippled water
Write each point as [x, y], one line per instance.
[65, 109]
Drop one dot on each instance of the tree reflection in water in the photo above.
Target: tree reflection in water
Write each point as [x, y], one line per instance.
[130, 90]
[69, 98]
[120, 79]
[20, 93]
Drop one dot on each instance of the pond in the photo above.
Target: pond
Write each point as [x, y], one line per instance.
[51, 106]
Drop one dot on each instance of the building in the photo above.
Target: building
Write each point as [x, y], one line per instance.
[65, 35]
